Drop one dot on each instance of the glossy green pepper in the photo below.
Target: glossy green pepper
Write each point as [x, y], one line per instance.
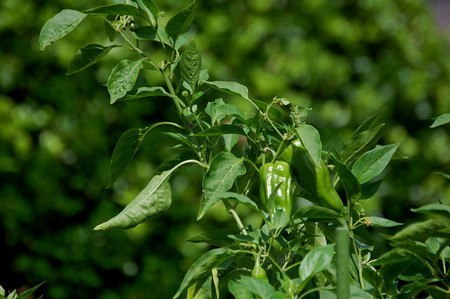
[313, 177]
[276, 188]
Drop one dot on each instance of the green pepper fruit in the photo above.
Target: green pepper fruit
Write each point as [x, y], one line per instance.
[259, 272]
[276, 188]
[313, 177]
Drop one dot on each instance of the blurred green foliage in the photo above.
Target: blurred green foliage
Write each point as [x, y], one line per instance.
[345, 59]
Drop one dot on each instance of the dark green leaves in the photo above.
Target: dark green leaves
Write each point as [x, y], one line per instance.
[123, 78]
[373, 162]
[59, 26]
[245, 286]
[181, 22]
[87, 56]
[190, 65]
[220, 177]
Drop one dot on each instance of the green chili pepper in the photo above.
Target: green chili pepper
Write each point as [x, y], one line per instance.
[258, 271]
[312, 177]
[276, 188]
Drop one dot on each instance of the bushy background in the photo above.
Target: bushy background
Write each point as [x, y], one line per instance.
[345, 59]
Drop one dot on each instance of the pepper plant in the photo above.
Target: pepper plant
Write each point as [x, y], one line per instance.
[314, 239]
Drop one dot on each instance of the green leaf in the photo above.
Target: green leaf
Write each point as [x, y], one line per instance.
[87, 56]
[348, 180]
[223, 171]
[359, 143]
[441, 120]
[260, 287]
[29, 292]
[229, 87]
[316, 212]
[218, 111]
[238, 290]
[202, 267]
[201, 289]
[124, 151]
[380, 222]
[396, 255]
[145, 92]
[315, 261]
[181, 22]
[115, 9]
[59, 26]
[434, 209]
[145, 33]
[373, 162]
[230, 140]
[239, 197]
[221, 130]
[123, 78]
[150, 8]
[152, 201]
[369, 189]
[310, 139]
[190, 65]
[369, 123]
[421, 231]
[217, 238]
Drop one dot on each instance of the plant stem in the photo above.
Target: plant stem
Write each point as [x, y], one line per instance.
[342, 260]
[232, 211]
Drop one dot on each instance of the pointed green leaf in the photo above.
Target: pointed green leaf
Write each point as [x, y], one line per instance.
[230, 140]
[421, 231]
[124, 151]
[315, 261]
[145, 92]
[150, 8]
[393, 256]
[217, 238]
[373, 162]
[229, 87]
[152, 201]
[202, 267]
[127, 146]
[441, 120]
[190, 65]
[310, 139]
[369, 123]
[348, 180]
[434, 209]
[380, 222]
[181, 22]
[59, 26]
[239, 197]
[29, 292]
[123, 78]
[115, 9]
[87, 56]
[359, 143]
[223, 171]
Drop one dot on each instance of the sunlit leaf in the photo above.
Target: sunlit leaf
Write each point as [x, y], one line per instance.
[152, 201]
[380, 222]
[373, 162]
[310, 139]
[220, 177]
[59, 26]
[441, 120]
[123, 78]
[229, 87]
[260, 287]
[315, 261]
